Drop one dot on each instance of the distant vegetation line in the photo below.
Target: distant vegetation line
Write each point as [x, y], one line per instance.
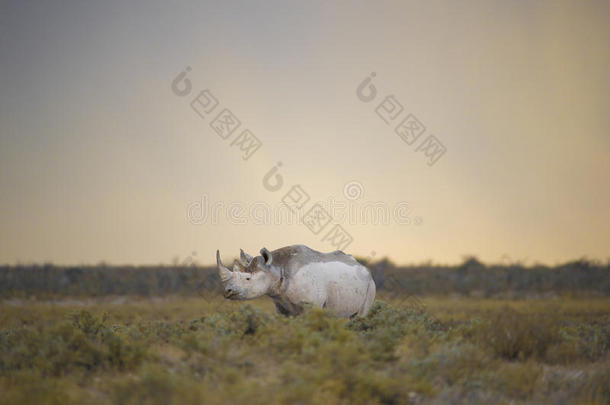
[469, 278]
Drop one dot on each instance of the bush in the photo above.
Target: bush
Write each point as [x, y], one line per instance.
[516, 336]
[243, 354]
[84, 344]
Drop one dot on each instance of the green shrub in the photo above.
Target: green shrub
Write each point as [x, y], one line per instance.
[85, 344]
[384, 327]
[243, 354]
[155, 385]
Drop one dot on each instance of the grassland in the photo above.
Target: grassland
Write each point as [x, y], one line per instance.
[191, 350]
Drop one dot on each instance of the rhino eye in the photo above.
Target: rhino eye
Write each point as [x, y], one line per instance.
[248, 278]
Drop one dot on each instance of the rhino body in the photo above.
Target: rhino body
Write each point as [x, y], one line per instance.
[296, 276]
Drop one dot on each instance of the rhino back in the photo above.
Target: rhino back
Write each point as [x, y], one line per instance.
[293, 258]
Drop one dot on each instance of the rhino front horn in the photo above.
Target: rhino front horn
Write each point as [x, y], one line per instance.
[224, 273]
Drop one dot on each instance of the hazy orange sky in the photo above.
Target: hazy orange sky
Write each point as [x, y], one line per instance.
[101, 160]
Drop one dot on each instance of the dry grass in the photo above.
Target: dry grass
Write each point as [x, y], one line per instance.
[190, 350]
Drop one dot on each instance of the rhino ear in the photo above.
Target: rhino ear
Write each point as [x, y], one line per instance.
[266, 256]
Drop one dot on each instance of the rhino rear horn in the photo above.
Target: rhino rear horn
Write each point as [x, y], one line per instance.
[238, 265]
[244, 258]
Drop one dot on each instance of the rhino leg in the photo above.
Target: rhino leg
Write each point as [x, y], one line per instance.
[368, 300]
[287, 309]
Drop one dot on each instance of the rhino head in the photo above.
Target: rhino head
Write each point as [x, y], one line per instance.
[251, 277]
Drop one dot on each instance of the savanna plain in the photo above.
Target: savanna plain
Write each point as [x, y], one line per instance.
[67, 336]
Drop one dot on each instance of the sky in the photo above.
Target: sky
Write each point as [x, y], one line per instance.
[103, 156]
